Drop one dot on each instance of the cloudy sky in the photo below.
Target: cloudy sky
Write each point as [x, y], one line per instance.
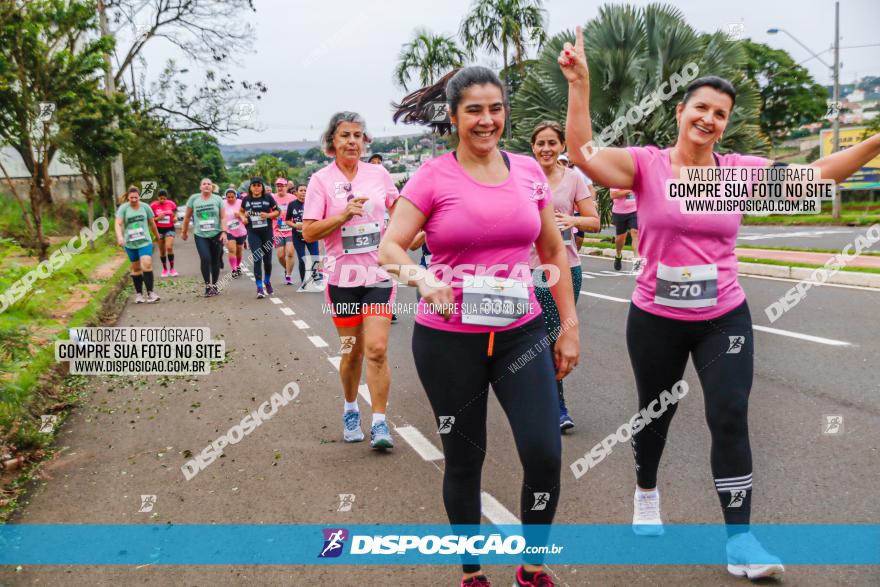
[318, 57]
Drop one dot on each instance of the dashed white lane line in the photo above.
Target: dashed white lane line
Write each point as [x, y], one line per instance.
[301, 324]
[318, 341]
[364, 392]
[419, 443]
[288, 312]
[779, 331]
[335, 361]
[495, 512]
[276, 300]
[808, 337]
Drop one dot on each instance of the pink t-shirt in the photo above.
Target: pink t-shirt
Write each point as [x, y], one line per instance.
[234, 225]
[625, 205]
[167, 207]
[472, 226]
[283, 202]
[571, 189]
[356, 242]
[690, 269]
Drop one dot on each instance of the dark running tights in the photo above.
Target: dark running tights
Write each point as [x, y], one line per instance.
[722, 351]
[210, 251]
[456, 371]
[260, 243]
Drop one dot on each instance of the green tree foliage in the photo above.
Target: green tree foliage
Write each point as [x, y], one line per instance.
[426, 57]
[789, 96]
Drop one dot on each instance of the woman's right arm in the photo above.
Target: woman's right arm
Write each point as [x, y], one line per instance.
[608, 166]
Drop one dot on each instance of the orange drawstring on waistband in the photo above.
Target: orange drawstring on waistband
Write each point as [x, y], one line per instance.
[491, 344]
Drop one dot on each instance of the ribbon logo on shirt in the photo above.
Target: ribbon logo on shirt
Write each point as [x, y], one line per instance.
[539, 191]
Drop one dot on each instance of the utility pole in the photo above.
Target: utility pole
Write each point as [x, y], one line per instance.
[117, 168]
[835, 124]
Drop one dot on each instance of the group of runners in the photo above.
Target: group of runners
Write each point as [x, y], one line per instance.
[512, 221]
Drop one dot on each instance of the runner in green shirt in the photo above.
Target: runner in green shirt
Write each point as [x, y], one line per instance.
[135, 229]
[209, 225]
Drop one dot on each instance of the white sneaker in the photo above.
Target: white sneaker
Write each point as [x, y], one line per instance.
[646, 513]
[152, 297]
[301, 289]
[139, 298]
[747, 558]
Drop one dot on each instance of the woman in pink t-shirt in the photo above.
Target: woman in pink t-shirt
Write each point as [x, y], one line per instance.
[235, 231]
[283, 232]
[570, 195]
[687, 301]
[345, 206]
[478, 322]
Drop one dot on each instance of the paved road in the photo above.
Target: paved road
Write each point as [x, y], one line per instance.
[797, 237]
[129, 438]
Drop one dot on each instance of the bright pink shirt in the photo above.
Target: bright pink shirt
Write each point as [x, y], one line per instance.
[167, 207]
[685, 244]
[328, 195]
[571, 189]
[471, 224]
[625, 205]
[230, 211]
[283, 202]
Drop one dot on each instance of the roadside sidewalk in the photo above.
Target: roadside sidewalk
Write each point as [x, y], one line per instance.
[806, 257]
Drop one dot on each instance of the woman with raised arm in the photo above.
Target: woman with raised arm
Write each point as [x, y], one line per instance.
[687, 301]
[478, 322]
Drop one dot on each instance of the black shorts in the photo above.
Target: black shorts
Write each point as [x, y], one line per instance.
[165, 232]
[624, 222]
[239, 239]
[349, 305]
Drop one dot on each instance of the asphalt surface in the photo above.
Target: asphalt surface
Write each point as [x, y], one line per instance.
[797, 237]
[129, 438]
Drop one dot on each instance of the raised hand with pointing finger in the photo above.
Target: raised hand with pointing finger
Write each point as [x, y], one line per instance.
[573, 61]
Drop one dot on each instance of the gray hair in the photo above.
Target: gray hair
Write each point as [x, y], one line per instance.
[335, 121]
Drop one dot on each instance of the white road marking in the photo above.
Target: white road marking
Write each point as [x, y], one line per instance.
[419, 443]
[585, 276]
[495, 512]
[364, 392]
[335, 361]
[276, 300]
[287, 311]
[318, 341]
[809, 337]
[804, 233]
[603, 297]
[300, 324]
[814, 283]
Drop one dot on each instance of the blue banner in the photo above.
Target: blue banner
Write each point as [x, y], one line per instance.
[75, 544]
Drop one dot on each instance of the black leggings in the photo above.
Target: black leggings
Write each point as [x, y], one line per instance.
[722, 350]
[456, 371]
[261, 243]
[301, 246]
[210, 251]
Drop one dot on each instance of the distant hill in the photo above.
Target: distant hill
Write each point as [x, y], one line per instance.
[239, 152]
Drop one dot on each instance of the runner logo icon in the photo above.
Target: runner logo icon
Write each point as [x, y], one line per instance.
[147, 503]
[541, 501]
[346, 500]
[446, 423]
[334, 539]
[736, 498]
[736, 344]
[833, 425]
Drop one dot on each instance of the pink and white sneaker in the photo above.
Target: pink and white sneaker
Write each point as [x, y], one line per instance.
[174, 273]
[164, 273]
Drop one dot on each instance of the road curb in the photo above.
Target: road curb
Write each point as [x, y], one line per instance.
[780, 271]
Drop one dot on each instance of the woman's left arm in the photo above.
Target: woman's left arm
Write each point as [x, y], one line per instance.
[839, 166]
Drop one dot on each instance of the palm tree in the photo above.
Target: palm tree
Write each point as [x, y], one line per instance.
[427, 56]
[502, 27]
[631, 52]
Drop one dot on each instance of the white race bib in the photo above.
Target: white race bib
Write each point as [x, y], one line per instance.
[256, 221]
[360, 238]
[694, 286]
[493, 301]
[136, 234]
[233, 224]
[207, 224]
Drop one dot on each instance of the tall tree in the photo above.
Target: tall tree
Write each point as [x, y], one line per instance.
[426, 57]
[789, 96]
[507, 28]
[49, 54]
